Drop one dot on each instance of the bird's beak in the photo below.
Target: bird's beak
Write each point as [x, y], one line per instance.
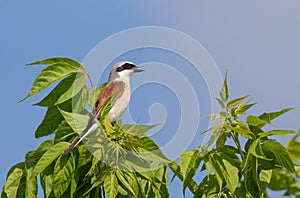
[137, 69]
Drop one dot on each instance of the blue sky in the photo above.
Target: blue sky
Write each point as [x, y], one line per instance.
[257, 41]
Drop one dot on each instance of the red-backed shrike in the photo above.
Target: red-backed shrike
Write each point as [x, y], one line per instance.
[118, 87]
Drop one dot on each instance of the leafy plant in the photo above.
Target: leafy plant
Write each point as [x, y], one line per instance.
[122, 161]
[237, 170]
[116, 161]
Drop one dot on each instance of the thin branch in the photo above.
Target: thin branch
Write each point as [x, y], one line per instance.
[89, 77]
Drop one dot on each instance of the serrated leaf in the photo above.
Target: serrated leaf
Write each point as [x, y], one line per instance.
[66, 89]
[76, 121]
[13, 180]
[224, 90]
[50, 122]
[275, 132]
[268, 117]
[50, 156]
[236, 101]
[49, 75]
[62, 176]
[189, 162]
[111, 186]
[274, 150]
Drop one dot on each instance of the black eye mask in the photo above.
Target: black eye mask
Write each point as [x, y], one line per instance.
[125, 66]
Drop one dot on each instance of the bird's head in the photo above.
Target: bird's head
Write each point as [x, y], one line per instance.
[123, 70]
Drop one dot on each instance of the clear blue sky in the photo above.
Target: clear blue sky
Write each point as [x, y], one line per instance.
[257, 41]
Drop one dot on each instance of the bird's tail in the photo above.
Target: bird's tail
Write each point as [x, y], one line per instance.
[90, 128]
[73, 144]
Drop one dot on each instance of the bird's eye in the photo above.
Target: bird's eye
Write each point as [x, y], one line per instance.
[119, 69]
[126, 66]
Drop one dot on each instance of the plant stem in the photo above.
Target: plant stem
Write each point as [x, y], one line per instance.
[288, 183]
[236, 140]
[89, 77]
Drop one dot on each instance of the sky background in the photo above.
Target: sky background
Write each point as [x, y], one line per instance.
[257, 41]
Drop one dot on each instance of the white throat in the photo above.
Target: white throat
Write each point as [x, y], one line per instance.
[124, 75]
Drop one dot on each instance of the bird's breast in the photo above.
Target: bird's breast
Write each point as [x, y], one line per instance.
[119, 105]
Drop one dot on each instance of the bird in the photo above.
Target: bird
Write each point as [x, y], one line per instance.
[118, 87]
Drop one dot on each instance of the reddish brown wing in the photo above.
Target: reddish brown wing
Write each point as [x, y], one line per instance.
[116, 87]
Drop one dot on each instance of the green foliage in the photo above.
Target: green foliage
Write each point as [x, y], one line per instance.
[122, 161]
[116, 161]
[242, 170]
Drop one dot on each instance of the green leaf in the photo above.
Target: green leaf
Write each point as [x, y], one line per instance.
[137, 130]
[122, 178]
[221, 103]
[224, 90]
[208, 187]
[111, 186]
[63, 171]
[232, 178]
[50, 156]
[33, 156]
[274, 150]
[243, 131]
[46, 178]
[66, 89]
[275, 132]
[278, 179]
[13, 180]
[224, 170]
[189, 163]
[175, 168]
[243, 108]
[62, 60]
[255, 149]
[105, 175]
[268, 117]
[49, 75]
[63, 132]
[217, 130]
[76, 121]
[236, 101]
[265, 178]
[31, 181]
[50, 122]
[255, 121]
[93, 94]
[293, 147]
